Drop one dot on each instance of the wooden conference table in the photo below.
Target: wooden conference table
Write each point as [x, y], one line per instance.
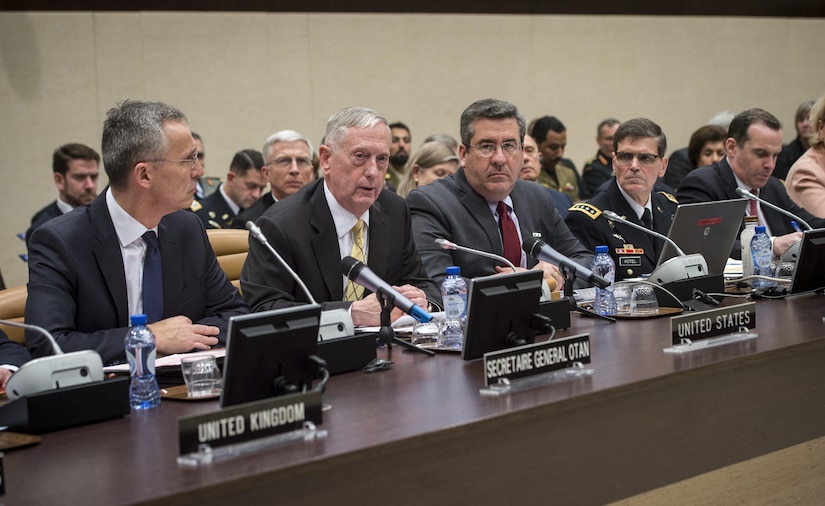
[421, 433]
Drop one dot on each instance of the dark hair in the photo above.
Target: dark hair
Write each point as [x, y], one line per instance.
[640, 128]
[605, 122]
[738, 129]
[246, 159]
[398, 124]
[132, 133]
[489, 108]
[803, 111]
[702, 136]
[72, 151]
[545, 124]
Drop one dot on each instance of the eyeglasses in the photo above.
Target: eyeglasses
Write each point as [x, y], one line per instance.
[286, 162]
[488, 149]
[190, 161]
[645, 159]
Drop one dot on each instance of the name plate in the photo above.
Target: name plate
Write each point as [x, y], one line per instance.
[249, 421]
[712, 323]
[536, 358]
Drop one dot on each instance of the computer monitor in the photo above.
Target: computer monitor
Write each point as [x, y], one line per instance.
[809, 273]
[267, 354]
[501, 311]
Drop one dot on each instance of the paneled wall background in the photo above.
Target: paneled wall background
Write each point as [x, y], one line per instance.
[241, 76]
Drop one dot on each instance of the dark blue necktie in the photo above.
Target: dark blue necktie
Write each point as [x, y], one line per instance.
[152, 279]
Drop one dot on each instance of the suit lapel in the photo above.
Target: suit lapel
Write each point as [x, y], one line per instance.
[480, 212]
[109, 259]
[325, 235]
[379, 250]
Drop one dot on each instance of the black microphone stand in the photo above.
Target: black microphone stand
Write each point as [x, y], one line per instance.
[570, 278]
[386, 335]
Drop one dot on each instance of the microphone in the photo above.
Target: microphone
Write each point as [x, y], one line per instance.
[540, 250]
[445, 244]
[749, 195]
[334, 323]
[358, 272]
[792, 253]
[54, 372]
[673, 269]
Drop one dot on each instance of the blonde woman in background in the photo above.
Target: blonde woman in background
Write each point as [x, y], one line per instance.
[806, 179]
[433, 161]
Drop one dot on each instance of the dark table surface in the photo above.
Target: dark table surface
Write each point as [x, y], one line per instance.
[392, 427]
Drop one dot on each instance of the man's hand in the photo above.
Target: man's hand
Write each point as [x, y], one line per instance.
[179, 335]
[5, 374]
[783, 242]
[367, 311]
[551, 274]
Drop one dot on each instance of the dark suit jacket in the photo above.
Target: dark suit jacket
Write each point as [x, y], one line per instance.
[12, 353]
[678, 166]
[452, 210]
[587, 222]
[301, 229]
[41, 217]
[790, 153]
[214, 212]
[716, 182]
[253, 212]
[77, 286]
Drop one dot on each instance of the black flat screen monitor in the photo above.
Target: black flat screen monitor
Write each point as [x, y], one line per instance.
[267, 354]
[500, 312]
[809, 272]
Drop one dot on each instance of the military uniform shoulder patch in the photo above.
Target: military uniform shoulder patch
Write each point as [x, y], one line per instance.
[588, 209]
[196, 206]
[669, 197]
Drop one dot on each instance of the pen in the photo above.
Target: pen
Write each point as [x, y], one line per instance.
[795, 226]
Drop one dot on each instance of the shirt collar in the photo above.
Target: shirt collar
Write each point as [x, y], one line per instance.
[638, 209]
[343, 219]
[127, 228]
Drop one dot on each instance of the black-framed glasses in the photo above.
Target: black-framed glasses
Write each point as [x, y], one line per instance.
[488, 149]
[285, 162]
[191, 161]
[624, 159]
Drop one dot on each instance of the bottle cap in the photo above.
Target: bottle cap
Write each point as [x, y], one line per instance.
[760, 229]
[601, 249]
[138, 319]
[453, 270]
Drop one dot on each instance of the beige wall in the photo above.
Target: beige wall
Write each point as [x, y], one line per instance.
[240, 77]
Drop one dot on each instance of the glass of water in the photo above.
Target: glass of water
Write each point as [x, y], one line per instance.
[643, 300]
[426, 334]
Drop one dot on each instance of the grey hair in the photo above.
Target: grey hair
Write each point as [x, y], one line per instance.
[284, 136]
[351, 117]
[132, 133]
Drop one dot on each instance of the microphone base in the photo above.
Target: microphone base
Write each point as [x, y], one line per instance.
[683, 289]
[558, 311]
[348, 353]
[67, 407]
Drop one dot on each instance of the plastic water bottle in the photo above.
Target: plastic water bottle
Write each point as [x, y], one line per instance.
[761, 253]
[140, 351]
[454, 296]
[603, 265]
[745, 244]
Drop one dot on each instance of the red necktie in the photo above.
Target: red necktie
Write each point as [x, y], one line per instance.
[509, 235]
[753, 209]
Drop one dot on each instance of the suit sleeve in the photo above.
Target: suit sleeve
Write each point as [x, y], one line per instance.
[52, 303]
[694, 189]
[412, 267]
[429, 224]
[12, 353]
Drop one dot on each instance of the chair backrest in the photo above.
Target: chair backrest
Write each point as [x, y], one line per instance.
[231, 247]
[13, 307]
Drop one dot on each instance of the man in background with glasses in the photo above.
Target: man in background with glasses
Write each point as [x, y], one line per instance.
[135, 249]
[486, 206]
[287, 167]
[638, 161]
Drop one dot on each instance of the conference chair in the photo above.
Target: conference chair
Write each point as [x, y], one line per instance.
[231, 247]
[13, 307]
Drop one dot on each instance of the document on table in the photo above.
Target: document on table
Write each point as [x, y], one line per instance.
[168, 360]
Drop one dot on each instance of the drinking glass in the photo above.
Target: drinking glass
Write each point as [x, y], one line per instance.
[643, 300]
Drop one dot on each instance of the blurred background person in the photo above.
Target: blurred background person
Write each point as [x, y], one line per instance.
[706, 146]
[806, 179]
[794, 149]
[447, 139]
[530, 168]
[243, 187]
[434, 160]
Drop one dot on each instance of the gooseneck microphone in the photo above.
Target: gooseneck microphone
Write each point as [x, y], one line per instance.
[445, 244]
[53, 372]
[359, 273]
[540, 250]
[751, 196]
[255, 230]
[673, 269]
[615, 217]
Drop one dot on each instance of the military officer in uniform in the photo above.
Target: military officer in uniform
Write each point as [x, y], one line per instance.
[242, 188]
[599, 169]
[638, 160]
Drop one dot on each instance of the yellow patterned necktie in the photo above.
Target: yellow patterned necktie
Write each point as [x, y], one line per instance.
[355, 291]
